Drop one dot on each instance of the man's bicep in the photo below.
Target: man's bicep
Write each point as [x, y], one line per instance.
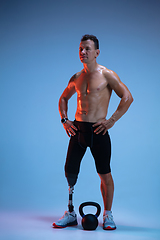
[70, 89]
[68, 93]
[120, 89]
[117, 85]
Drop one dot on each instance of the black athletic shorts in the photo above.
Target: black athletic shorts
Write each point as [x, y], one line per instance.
[99, 144]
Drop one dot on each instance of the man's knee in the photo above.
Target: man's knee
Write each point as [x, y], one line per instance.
[106, 178]
[71, 178]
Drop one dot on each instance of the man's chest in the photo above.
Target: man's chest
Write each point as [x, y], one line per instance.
[88, 83]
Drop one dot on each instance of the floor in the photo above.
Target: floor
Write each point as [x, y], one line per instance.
[37, 226]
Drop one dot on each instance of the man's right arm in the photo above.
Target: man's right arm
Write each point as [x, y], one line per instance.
[63, 107]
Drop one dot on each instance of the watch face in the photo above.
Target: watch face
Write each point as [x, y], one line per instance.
[64, 120]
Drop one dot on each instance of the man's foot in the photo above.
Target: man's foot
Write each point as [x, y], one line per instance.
[68, 219]
[108, 223]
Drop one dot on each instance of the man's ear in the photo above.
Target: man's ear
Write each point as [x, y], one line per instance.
[97, 52]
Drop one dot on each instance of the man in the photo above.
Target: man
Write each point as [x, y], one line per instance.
[93, 85]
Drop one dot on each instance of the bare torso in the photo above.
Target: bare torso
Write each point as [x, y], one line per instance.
[93, 95]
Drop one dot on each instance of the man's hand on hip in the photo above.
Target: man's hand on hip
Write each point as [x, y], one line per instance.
[103, 126]
[70, 128]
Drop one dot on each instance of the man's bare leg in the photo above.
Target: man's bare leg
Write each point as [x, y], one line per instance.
[107, 190]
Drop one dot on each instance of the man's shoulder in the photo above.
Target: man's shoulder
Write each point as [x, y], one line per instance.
[74, 77]
[106, 70]
[77, 75]
[108, 73]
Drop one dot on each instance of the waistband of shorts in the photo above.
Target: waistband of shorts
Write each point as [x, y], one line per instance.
[84, 126]
[84, 123]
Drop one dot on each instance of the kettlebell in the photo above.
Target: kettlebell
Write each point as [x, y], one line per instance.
[89, 221]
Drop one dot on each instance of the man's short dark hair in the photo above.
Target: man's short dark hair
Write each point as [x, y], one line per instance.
[91, 37]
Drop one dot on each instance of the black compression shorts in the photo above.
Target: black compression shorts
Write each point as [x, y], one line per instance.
[99, 144]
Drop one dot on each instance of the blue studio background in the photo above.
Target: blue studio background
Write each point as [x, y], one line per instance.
[38, 54]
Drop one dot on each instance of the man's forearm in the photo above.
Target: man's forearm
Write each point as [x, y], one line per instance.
[63, 107]
[122, 108]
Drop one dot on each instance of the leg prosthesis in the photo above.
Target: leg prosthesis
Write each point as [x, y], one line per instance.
[72, 179]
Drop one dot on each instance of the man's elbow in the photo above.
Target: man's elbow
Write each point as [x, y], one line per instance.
[130, 99]
[62, 99]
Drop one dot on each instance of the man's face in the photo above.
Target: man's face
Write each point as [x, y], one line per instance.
[87, 51]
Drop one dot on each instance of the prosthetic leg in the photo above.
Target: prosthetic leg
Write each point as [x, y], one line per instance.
[70, 217]
[72, 179]
[70, 202]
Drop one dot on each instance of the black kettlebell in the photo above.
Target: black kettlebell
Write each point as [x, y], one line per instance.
[89, 221]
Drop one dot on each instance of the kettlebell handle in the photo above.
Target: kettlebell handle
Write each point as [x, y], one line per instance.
[89, 204]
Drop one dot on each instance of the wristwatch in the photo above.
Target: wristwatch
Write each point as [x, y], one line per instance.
[64, 120]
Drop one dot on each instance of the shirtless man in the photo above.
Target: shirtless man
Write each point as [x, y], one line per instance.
[93, 85]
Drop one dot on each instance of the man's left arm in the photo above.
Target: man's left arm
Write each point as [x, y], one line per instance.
[126, 99]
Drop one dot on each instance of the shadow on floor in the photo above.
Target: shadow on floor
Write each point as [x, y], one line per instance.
[51, 219]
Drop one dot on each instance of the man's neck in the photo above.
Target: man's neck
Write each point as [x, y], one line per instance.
[88, 68]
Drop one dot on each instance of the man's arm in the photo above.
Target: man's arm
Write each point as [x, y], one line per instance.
[126, 99]
[63, 107]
